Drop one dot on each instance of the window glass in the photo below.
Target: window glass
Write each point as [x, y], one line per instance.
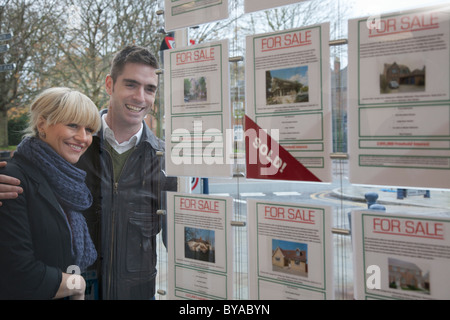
[340, 194]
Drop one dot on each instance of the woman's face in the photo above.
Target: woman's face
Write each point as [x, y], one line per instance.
[70, 141]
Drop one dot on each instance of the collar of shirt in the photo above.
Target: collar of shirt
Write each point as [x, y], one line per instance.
[108, 134]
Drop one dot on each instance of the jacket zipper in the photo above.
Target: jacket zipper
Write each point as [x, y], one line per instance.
[113, 221]
[111, 249]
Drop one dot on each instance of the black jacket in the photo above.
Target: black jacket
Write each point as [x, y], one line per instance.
[123, 220]
[35, 241]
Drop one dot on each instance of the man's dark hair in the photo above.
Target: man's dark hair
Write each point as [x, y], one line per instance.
[132, 54]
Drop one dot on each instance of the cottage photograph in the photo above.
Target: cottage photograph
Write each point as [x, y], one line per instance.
[287, 86]
[199, 244]
[290, 257]
[195, 89]
[405, 275]
[402, 77]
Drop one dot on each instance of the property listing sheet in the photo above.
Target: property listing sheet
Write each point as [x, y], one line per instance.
[401, 256]
[291, 255]
[287, 92]
[399, 98]
[199, 247]
[187, 13]
[197, 111]
[256, 5]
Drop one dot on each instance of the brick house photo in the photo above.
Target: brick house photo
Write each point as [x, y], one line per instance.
[408, 276]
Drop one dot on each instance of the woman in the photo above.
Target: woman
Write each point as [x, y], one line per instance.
[43, 233]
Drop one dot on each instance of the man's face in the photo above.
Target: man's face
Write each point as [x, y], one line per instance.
[133, 94]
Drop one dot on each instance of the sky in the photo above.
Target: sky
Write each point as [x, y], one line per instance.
[289, 245]
[372, 7]
[293, 74]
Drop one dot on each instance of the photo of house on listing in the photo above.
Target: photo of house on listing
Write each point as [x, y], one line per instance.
[400, 78]
[195, 90]
[290, 257]
[199, 244]
[286, 86]
[404, 275]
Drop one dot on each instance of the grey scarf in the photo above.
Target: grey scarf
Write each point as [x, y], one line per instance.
[68, 183]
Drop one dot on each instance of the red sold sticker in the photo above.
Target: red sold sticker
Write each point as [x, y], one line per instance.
[266, 159]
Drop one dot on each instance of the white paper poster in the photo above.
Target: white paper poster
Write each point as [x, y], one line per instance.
[287, 92]
[197, 111]
[399, 99]
[187, 13]
[256, 5]
[199, 247]
[401, 256]
[291, 251]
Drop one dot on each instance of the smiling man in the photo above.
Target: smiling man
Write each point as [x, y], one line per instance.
[132, 93]
[126, 179]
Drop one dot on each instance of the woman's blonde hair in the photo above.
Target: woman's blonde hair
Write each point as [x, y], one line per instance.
[63, 105]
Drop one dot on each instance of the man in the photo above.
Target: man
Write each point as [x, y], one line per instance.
[125, 176]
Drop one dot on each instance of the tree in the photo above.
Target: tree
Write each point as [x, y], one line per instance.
[69, 43]
[302, 14]
[97, 30]
[30, 50]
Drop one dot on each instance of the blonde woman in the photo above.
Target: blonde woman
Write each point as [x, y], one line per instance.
[43, 235]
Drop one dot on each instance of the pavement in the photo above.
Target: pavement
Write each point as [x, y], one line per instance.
[436, 200]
